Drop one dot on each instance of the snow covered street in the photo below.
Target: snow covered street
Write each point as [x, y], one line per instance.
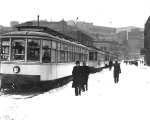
[105, 100]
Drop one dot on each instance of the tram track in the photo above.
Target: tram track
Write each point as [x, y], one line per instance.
[28, 93]
[21, 93]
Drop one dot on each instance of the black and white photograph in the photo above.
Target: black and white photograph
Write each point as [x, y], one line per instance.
[74, 59]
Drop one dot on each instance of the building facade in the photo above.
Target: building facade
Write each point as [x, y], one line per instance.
[136, 42]
[146, 49]
[132, 40]
[111, 47]
[104, 37]
[99, 33]
[13, 23]
[4, 29]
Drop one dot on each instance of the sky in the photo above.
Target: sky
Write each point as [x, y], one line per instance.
[109, 13]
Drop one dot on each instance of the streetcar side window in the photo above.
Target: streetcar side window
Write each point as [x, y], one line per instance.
[86, 54]
[71, 54]
[18, 49]
[83, 54]
[46, 51]
[62, 54]
[77, 53]
[106, 57]
[91, 56]
[95, 56]
[33, 50]
[5, 49]
[66, 52]
[58, 52]
[53, 52]
[80, 54]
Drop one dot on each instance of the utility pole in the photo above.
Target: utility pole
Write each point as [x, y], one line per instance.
[38, 20]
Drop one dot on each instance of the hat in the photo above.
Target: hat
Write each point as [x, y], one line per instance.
[77, 62]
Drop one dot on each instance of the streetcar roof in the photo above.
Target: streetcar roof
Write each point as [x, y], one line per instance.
[27, 33]
[37, 34]
[96, 50]
[93, 49]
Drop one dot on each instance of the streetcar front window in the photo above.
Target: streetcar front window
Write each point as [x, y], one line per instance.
[18, 49]
[46, 51]
[5, 49]
[33, 50]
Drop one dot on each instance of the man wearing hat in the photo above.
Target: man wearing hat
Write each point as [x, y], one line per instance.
[77, 78]
[117, 71]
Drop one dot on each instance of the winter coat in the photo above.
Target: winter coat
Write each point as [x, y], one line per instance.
[76, 76]
[110, 63]
[117, 70]
[85, 70]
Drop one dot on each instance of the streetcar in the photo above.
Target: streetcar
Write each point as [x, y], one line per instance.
[33, 57]
[98, 58]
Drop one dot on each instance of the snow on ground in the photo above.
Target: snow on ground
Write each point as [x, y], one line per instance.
[105, 100]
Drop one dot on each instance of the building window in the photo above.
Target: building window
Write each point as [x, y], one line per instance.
[105, 48]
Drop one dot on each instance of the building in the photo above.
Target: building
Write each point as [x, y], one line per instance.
[132, 40]
[4, 29]
[136, 42]
[146, 49]
[110, 46]
[104, 37]
[99, 33]
[13, 23]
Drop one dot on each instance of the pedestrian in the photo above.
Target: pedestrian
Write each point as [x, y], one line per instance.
[99, 62]
[77, 78]
[117, 71]
[110, 64]
[85, 75]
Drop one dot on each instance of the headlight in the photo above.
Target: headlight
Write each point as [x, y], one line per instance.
[16, 69]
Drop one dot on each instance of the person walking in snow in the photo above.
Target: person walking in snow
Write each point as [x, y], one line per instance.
[77, 78]
[85, 74]
[110, 64]
[117, 71]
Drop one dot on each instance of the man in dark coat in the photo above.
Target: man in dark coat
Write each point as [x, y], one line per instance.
[77, 78]
[110, 64]
[85, 74]
[117, 70]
